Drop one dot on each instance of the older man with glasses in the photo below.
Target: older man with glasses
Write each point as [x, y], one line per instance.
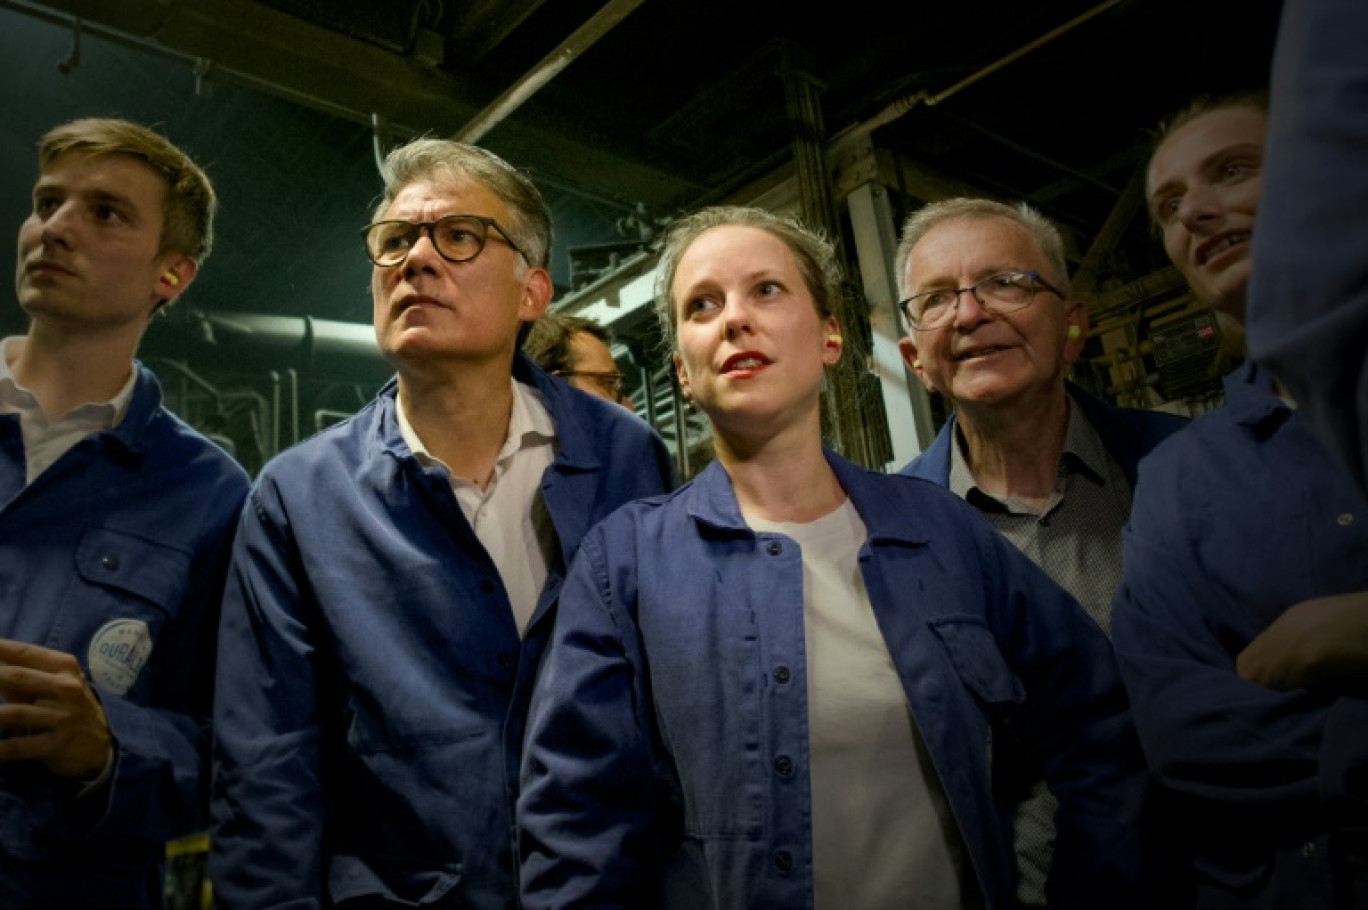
[993, 328]
[393, 578]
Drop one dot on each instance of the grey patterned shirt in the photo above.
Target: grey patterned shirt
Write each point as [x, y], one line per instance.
[1076, 539]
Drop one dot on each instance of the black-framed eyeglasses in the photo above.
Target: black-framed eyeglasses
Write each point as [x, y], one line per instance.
[1005, 292]
[457, 238]
[609, 381]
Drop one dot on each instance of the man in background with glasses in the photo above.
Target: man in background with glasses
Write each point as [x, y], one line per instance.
[576, 349]
[393, 577]
[992, 327]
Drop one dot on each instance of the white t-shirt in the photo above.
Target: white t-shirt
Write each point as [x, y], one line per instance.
[882, 831]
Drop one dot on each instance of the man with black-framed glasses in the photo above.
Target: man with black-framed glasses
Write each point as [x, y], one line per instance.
[992, 326]
[393, 579]
[577, 350]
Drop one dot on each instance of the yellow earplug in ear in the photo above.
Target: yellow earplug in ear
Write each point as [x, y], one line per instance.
[834, 339]
[916, 364]
[171, 278]
[1075, 332]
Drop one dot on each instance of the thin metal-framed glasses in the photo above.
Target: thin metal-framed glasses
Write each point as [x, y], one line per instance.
[1005, 292]
[457, 238]
[609, 381]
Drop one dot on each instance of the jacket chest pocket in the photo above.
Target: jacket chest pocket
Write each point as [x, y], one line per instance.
[979, 664]
[128, 588]
[983, 672]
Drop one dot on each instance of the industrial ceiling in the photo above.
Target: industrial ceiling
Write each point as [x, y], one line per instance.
[625, 111]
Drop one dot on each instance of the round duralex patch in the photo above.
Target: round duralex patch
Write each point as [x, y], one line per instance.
[118, 652]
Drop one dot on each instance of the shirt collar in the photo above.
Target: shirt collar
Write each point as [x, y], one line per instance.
[1083, 452]
[712, 501]
[529, 424]
[1083, 447]
[98, 415]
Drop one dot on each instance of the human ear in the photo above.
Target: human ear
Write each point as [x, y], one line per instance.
[908, 349]
[831, 351]
[1075, 332]
[682, 375]
[537, 291]
[172, 280]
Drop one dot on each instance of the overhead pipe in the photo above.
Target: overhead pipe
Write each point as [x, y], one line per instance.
[233, 341]
[201, 67]
[550, 66]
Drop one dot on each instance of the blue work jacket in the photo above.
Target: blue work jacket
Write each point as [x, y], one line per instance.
[121, 544]
[1236, 519]
[1127, 433]
[1308, 285]
[370, 660]
[667, 754]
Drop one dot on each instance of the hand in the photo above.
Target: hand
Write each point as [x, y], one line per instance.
[1321, 642]
[50, 714]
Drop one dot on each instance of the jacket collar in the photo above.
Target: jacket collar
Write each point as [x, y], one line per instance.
[143, 408]
[568, 414]
[1250, 399]
[1119, 436]
[711, 500]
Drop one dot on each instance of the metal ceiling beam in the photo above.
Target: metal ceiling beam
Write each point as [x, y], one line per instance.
[513, 97]
[900, 106]
[251, 43]
[1027, 152]
[1122, 158]
[480, 26]
[1110, 235]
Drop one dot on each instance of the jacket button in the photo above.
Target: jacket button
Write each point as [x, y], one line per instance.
[487, 586]
[110, 562]
[781, 675]
[505, 659]
[1308, 849]
[784, 765]
[1346, 519]
[775, 548]
[783, 860]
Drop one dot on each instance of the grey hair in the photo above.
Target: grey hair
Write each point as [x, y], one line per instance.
[816, 257]
[1042, 231]
[424, 159]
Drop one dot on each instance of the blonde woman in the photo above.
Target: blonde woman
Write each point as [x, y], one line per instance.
[786, 684]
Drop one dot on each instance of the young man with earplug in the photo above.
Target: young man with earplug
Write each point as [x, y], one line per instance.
[991, 325]
[1241, 619]
[115, 525]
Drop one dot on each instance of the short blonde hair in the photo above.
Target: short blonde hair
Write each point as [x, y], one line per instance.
[816, 257]
[190, 203]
